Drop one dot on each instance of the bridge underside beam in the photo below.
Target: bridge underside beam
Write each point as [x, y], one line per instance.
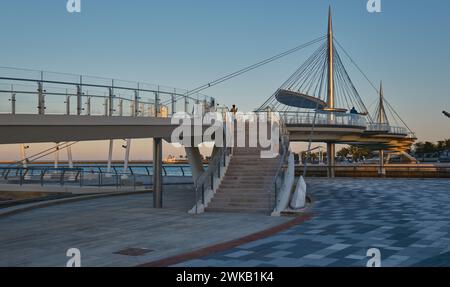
[16, 129]
[56, 128]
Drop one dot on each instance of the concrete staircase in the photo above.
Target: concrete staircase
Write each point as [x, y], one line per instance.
[246, 184]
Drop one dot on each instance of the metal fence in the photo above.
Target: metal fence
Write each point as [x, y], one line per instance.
[323, 118]
[93, 176]
[25, 91]
[390, 171]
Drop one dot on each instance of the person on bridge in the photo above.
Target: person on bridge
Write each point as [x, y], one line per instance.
[234, 109]
[353, 113]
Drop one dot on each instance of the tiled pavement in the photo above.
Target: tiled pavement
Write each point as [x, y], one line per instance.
[407, 220]
[102, 227]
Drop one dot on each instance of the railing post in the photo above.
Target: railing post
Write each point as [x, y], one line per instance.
[157, 103]
[13, 101]
[21, 177]
[61, 179]
[121, 107]
[173, 104]
[186, 103]
[212, 180]
[67, 103]
[111, 102]
[79, 99]
[150, 111]
[203, 194]
[41, 99]
[88, 106]
[106, 107]
[136, 103]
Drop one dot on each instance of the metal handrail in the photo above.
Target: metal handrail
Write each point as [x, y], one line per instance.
[284, 152]
[217, 162]
[74, 176]
[76, 86]
[324, 118]
[86, 169]
[387, 128]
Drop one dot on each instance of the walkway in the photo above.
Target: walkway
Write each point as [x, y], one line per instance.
[102, 227]
[408, 220]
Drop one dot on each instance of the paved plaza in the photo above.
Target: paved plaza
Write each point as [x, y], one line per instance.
[102, 227]
[407, 220]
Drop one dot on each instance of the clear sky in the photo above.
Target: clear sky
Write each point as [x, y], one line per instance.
[186, 43]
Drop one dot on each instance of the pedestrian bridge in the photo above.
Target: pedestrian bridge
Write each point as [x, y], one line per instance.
[39, 106]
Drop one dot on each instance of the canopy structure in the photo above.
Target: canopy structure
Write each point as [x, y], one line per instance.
[299, 100]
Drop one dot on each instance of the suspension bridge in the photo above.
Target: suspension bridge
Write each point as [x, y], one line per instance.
[318, 103]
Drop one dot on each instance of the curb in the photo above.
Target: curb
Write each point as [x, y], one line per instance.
[42, 204]
[165, 262]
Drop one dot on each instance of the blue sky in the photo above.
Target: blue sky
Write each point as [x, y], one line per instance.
[188, 43]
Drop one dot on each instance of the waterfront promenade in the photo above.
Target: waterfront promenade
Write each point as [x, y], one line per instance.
[104, 226]
[408, 220]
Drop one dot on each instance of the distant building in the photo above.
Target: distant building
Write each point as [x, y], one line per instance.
[445, 156]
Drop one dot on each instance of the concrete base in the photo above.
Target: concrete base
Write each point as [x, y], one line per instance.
[299, 198]
[286, 191]
[209, 194]
[195, 160]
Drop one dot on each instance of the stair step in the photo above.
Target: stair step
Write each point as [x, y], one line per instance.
[246, 185]
[227, 199]
[237, 209]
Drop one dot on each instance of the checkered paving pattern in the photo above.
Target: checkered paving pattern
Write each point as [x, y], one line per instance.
[407, 220]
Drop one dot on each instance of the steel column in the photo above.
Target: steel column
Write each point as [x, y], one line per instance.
[157, 173]
[331, 152]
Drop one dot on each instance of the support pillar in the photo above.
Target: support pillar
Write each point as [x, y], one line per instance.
[69, 157]
[110, 154]
[157, 173]
[127, 155]
[331, 147]
[56, 156]
[331, 152]
[23, 155]
[195, 161]
[382, 169]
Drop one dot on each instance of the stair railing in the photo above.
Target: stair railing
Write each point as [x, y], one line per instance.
[206, 181]
[279, 178]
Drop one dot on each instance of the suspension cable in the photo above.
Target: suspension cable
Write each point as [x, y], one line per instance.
[251, 67]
